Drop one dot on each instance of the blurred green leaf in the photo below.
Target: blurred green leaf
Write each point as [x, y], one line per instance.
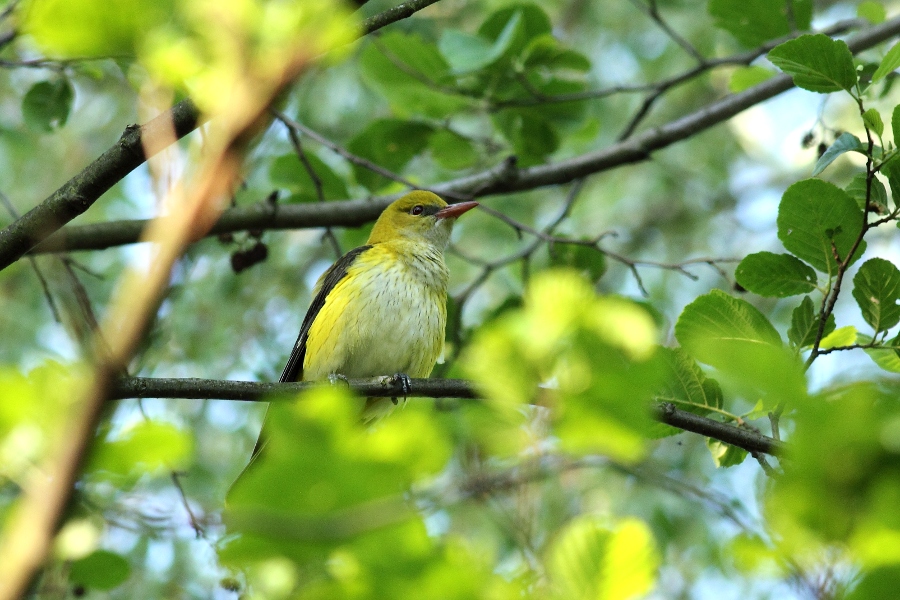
[817, 63]
[745, 78]
[778, 275]
[147, 447]
[871, 11]
[882, 582]
[891, 170]
[876, 288]
[590, 262]
[598, 351]
[288, 172]
[812, 216]
[533, 139]
[805, 324]
[754, 22]
[408, 71]
[889, 63]
[46, 105]
[846, 142]
[451, 150]
[466, 53]
[390, 144]
[593, 561]
[844, 471]
[545, 51]
[100, 570]
[535, 23]
[83, 28]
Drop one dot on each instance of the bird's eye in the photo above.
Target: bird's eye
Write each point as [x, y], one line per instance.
[418, 209]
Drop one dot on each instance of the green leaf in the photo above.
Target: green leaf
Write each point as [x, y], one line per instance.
[754, 22]
[389, 143]
[117, 27]
[717, 319]
[895, 124]
[817, 63]
[406, 70]
[846, 142]
[532, 137]
[147, 447]
[587, 260]
[871, 11]
[812, 216]
[451, 150]
[546, 51]
[535, 22]
[686, 386]
[746, 77]
[872, 120]
[876, 288]
[100, 570]
[466, 53]
[805, 324]
[591, 561]
[880, 582]
[843, 336]
[891, 170]
[289, 173]
[857, 189]
[46, 105]
[886, 358]
[725, 455]
[778, 275]
[889, 63]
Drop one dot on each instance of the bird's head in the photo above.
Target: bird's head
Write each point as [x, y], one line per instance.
[419, 216]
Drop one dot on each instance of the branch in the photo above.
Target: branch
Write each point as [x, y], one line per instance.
[500, 179]
[80, 192]
[386, 387]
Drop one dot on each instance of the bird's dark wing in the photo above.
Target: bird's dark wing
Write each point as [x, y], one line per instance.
[293, 370]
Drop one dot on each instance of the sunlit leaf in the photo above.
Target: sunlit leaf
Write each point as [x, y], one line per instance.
[889, 63]
[872, 118]
[871, 11]
[591, 561]
[842, 336]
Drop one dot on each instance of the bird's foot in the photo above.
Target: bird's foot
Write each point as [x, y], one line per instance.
[335, 378]
[402, 380]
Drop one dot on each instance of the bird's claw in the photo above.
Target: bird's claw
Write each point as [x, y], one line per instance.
[401, 379]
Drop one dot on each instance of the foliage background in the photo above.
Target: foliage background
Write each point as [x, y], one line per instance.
[580, 499]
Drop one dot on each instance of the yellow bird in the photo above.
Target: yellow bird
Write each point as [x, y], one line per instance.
[381, 309]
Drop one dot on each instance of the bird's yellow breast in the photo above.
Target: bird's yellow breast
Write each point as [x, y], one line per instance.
[386, 316]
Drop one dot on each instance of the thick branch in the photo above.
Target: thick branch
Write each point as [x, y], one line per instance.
[500, 179]
[207, 389]
[80, 192]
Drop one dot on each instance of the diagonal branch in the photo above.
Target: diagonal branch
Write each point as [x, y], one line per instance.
[385, 387]
[502, 178]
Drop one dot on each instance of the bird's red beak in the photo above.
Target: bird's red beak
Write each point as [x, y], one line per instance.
[454, 210]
